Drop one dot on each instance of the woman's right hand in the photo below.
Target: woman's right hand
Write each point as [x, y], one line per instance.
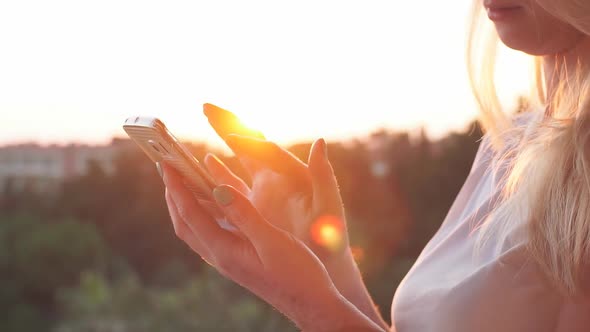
[266, 260]
[300, 198]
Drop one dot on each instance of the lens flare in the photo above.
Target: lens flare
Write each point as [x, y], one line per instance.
[328, 232]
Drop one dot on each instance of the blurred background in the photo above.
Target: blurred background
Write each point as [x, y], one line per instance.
[85, 239]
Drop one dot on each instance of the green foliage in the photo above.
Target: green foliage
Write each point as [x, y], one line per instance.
[430, 181]
[38, 257]
[206, 302]
[129, 211]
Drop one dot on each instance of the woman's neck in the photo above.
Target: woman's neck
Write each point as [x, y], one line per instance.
[564, 65]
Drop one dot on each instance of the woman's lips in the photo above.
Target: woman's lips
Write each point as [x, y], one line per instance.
[502, 13]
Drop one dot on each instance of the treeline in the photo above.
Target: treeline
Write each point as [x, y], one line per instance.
[101, 255]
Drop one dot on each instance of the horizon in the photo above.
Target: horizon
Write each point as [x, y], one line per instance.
[350, 70]
[411, 132]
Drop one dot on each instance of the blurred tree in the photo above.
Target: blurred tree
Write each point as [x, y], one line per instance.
[396, 189]
[129, 210]
[205, 303]
[38, 257]
[431, 181]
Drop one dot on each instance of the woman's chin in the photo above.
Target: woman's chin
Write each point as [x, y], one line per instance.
[519, 42]
[523, 36]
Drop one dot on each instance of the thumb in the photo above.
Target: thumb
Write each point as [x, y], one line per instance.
[326, 195]
[328, 229]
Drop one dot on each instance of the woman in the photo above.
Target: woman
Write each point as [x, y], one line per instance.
[513, 254]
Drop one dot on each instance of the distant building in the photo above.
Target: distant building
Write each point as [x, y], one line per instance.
[31, 167]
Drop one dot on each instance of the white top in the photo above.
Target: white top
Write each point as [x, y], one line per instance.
[451, 289]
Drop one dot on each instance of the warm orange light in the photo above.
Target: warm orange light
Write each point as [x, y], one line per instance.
[250, 124]
[328, 232]
[243, 127]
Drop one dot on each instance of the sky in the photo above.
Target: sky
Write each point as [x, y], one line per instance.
[73, 71]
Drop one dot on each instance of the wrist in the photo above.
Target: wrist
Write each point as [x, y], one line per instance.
[344, 259]
[337, 314]
[347, 278]
[342, 270]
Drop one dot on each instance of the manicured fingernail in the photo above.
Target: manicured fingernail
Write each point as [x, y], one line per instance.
[159, 168]
[223, 195]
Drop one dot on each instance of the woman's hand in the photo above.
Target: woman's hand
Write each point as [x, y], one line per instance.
[302, 199]
[310, 209]
[268, 261]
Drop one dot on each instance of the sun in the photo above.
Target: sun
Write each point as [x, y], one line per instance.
[283, 130]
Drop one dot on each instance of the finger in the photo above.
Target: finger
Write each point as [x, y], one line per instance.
[245, 217]
[268, 155]
[328, 229]
[184, 232]
[223, 175]
[326, 195]
[225, 122]
[202, 225]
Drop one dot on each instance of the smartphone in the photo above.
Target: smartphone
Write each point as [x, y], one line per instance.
[158, 143]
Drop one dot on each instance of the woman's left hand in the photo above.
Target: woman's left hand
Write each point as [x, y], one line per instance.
[268, 261]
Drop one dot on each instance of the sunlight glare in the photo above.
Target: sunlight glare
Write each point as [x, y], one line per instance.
[328, 232]
[253, 121]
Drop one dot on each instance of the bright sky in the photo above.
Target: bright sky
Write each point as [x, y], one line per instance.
[74, 70]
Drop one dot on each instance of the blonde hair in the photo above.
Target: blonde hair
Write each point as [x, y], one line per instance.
[547, 160]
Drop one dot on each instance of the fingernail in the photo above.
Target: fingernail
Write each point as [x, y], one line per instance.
[325, 147]
[223, 195]
[159, 168]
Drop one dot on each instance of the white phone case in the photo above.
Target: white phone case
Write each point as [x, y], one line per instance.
[152, 136]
